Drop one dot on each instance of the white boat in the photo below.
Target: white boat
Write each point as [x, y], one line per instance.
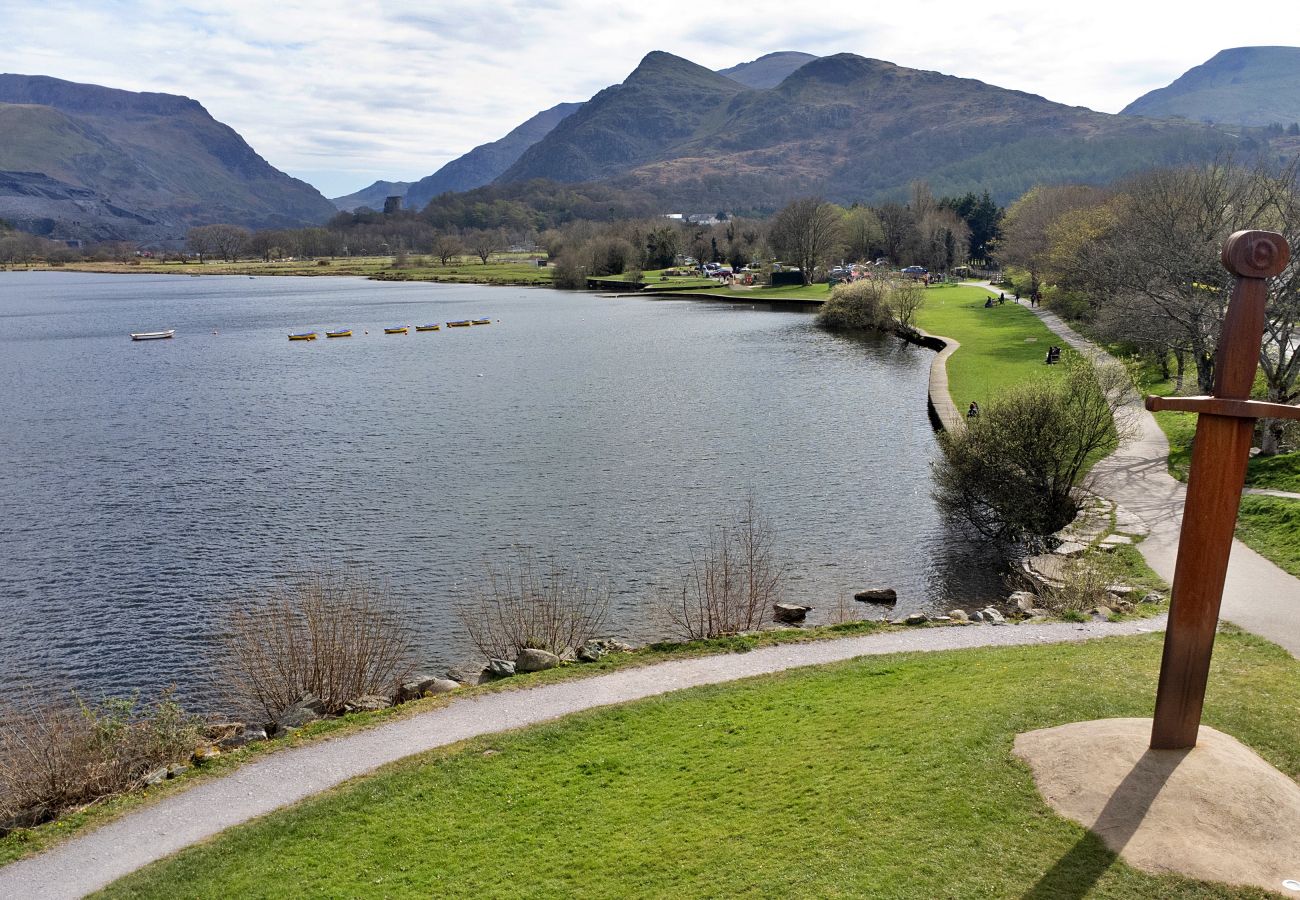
[152, 335]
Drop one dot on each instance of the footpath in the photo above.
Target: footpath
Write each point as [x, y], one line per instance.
[1258, 596]
[93, 860]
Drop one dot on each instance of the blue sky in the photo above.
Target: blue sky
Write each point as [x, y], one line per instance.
[344, 93]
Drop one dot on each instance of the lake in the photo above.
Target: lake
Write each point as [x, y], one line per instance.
[144, 484]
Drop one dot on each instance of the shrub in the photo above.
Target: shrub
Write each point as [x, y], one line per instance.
[1014, 471]
[733, 582]
[59, 752]
[1085, 583]
[531, 605]
[337, 636]
[871, 304]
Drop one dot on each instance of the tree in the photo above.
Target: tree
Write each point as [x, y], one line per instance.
[1025, 241]
[863, 234]
[1013, 474]
[447, 247]
[484, 242]
[984, 219]
[899, 231]
[662, 246]
[807, 232]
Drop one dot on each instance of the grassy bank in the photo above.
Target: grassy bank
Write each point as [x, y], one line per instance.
[27, 841]
[518, 269]
[882, 777]
[1001, 346]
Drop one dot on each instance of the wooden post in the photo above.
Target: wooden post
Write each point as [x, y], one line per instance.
[1218, 473]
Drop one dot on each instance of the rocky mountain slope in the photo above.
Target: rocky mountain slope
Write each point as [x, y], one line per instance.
[485, 163]
[845, 126]
[1241, 86]
[159, 158]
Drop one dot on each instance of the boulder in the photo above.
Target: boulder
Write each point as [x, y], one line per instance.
[465, 675]
[1153, 597]
[1100, 613]
[993, 616]
[530, 660]
[1121, 590]
[205, 752]
[367, 703]
[1023, 601]
[249, 735]
[958, 615]
[916, 619]
[499, 668]
[590, 652]
[1040, 613]
[1070, 548]
[790, 613]
[884, 596]
[301, 714]
[426, 686]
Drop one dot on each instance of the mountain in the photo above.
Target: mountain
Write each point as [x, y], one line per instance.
[844, 126]
[769, 70]
[158, 158]
[372, 197]
[664, 102]
[484, 163]
[1241, 86]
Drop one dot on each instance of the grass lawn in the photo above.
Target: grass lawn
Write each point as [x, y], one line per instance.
[1271, 527]
[1001, 346]
[888, 777]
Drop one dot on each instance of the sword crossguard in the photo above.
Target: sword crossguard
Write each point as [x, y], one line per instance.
[1224, 406]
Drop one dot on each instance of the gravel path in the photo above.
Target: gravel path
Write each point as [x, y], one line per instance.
[1258, 596]
[95, 859]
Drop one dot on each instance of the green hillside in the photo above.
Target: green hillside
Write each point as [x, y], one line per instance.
[1241, 86]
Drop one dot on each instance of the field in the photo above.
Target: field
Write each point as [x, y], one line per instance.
[886, 777]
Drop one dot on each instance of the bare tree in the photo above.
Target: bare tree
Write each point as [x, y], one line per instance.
[447, 247]
[807, 232]
[226, 241]
[486, 242]
[733, 584]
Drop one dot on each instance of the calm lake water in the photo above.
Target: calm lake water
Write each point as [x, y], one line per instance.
[144, 484]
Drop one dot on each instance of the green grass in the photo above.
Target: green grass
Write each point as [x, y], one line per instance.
[24, 842]
[886, 777]
[1001, 346]
[1271, 527]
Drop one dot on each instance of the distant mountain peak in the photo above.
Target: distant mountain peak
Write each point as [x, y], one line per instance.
[768, 70]
[1237, 86]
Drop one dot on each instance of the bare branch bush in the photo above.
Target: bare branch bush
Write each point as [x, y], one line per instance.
[337, 636]
[733, 582]
[532, 604]
[58, 751]
[1084, 583]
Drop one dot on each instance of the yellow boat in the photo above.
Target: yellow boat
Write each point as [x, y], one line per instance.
[482, 321]
[303, 336]
[400, 329]
[463, 323]
[427, 327]
[342, 332]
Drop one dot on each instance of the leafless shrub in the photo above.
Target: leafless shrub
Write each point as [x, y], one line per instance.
[58, 752]
[337, 636]
[1084, 583]
[533, 605]
[733, 583]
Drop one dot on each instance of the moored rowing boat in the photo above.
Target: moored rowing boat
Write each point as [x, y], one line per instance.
[342, 332]
[427, 327]
[152, 335]
[398, 329]
[303, 336]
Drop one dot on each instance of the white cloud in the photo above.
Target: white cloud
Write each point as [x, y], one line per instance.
[343, 92]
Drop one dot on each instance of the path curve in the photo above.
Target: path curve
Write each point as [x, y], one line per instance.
[91, 861]
[1258, 596]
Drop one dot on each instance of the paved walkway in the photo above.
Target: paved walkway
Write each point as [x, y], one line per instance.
[95, 859]
[1258, 596]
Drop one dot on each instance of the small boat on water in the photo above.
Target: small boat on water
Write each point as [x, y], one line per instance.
[152, 335]
[482, 321]
[463, 323]
[427, 327]
[400, 329]
[303, 336]
[342, 332]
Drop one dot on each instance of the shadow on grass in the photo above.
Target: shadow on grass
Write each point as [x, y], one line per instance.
[1078, 871]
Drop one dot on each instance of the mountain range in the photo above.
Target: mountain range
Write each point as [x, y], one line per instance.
[90, 162]
[1241, 86]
